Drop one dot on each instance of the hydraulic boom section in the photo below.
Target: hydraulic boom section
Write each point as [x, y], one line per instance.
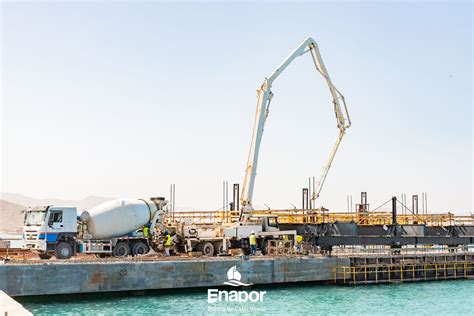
[264, 95]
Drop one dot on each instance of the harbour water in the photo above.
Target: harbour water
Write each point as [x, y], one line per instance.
[424, 298]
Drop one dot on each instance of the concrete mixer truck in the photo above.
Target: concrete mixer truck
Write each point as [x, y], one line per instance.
[111, 228]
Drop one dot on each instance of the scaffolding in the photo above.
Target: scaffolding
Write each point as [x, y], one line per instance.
[280, 247]
[379, 250]
[396, 269]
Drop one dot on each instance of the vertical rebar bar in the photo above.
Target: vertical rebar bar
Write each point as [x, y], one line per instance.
[414, 204]
[426, 203]
[170, 210]
[305, 197]
[422, 202]
[401, 199]
[405, 202]
[238, 196]
[235, 199]
[310, 193]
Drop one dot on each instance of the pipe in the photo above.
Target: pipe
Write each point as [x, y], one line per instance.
[394, 210]
[226, 195]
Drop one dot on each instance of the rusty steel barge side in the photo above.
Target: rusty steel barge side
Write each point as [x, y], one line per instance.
[68, 277]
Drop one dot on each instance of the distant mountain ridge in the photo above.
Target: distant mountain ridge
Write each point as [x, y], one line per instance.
[27, 201]
[12, 206]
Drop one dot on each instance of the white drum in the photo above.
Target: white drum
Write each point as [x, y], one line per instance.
[117, 218]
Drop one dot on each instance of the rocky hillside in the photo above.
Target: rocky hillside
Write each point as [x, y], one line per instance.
[12, 205]
[11, 217]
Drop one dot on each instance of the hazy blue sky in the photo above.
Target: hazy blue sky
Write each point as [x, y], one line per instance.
[122, 99]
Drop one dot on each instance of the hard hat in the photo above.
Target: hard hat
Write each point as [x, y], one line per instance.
[253, 232]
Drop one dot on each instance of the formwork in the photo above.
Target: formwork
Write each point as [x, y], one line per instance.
[376, 268]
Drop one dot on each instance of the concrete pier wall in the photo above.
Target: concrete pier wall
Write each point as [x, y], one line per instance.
[66, 277]
[9, 306]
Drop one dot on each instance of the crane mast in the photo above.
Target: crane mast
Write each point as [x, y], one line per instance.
[264, 97]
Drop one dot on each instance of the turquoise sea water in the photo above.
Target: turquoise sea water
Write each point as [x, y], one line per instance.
[424, 298]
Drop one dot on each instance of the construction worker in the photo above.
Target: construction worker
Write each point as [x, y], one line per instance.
[253, 243]
[299, 240]
[146, 231]
[168, 243]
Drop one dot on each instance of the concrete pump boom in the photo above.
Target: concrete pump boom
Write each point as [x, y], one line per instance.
[264, 95]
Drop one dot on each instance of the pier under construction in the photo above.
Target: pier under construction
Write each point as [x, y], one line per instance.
[346, 267]
[363, 247]
[322, 229]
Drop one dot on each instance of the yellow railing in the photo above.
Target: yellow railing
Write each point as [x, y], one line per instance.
[372, 251]
[203, 217]
[387, 273]
[318, 216]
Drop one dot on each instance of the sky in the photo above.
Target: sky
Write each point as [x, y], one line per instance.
[123, 99]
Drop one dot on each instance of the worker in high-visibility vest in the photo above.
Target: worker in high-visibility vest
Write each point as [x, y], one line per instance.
[299, 240]
[168, 243]
[146, 230]
[253, 243]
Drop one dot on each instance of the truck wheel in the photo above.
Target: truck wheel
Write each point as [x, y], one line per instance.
[122, 249]
[140, 248]
[63, 250]
[44, 256]
[207, 249]
[264, 247]
[219, 248]
[245, 246]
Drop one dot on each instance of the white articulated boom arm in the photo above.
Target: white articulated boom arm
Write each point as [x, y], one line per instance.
[264, 95]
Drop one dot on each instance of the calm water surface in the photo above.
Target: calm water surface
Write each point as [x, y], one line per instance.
[429, 298]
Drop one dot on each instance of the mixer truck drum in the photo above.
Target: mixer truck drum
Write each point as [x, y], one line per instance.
[117, 218]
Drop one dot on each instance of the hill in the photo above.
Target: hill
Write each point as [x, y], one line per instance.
[85, 203]
[12, 206]
[11, 215]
